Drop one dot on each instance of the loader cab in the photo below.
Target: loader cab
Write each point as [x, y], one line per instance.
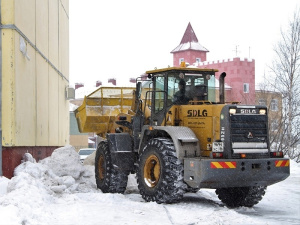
[177, 86]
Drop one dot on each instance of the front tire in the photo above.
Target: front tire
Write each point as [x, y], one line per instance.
[108, 179]
[241, 196]
[160, 173]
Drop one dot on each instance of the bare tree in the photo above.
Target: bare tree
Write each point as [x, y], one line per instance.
[286, 73]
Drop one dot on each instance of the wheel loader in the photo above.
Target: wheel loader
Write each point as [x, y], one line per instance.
[177, 134]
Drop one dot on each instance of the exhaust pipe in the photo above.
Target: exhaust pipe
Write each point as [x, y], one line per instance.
[222, 87]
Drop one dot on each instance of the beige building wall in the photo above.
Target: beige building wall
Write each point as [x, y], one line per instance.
[79, 141]
[268, 96]
[274, 113]
[35, 72]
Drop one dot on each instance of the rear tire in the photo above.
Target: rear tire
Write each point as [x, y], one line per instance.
[241, 196]
[108, 179]
[160, 173]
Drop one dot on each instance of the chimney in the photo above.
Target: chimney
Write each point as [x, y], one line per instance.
[113, 81]
[78, 85]
[98, 83]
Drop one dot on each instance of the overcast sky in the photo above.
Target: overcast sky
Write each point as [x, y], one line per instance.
[123, 39]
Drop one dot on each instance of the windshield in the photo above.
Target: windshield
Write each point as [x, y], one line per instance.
[183, 88]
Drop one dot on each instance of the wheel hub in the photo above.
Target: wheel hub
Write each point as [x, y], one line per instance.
[152, 171]
[101, 167]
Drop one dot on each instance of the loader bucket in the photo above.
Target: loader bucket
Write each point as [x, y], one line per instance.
[99, 109]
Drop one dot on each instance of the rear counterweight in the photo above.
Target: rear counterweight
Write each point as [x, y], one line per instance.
[211, 173]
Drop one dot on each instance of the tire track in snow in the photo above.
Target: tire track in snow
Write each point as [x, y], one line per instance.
[169, 215]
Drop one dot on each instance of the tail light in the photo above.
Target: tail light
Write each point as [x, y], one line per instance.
[217, 155]
[277, 154]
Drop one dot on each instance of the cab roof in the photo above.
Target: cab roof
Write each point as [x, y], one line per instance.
[182, 69]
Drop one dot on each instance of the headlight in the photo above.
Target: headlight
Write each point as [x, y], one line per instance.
[218, 147]
[262, 111]
[232, 111]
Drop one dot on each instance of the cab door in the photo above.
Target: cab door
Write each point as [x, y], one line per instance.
[159, 100]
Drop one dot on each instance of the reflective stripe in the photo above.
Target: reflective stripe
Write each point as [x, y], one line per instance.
[282, 163]
[215, 165]
[232, 165]
[223, 165]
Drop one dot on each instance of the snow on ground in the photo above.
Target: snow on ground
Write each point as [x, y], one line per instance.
[61, 190]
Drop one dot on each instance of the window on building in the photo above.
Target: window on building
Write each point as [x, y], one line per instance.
[274, 105]
[262, 102]
[181, 60]
[198, 60]
[274, 125]
[246, 88]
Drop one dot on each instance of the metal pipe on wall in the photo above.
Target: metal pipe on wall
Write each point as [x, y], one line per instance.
[1, 172]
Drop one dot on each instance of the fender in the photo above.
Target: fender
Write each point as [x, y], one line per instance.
[185, 141]
[121, 152]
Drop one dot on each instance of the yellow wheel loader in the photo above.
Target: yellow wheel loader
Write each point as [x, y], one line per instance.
[177, 133]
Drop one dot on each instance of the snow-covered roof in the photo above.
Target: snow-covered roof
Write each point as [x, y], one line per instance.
[190, 46]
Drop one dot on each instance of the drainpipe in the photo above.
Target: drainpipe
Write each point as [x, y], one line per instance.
[222, 87]
[1, 173]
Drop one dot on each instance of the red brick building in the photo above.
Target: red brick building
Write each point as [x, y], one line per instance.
[240, 72]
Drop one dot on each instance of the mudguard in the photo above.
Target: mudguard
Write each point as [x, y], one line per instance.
[120, 147]
[185, 141]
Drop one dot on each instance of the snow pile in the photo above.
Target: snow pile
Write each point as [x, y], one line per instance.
[35, 185]
[61, 172]
[3, 185]
[28, 157]
[90, 160]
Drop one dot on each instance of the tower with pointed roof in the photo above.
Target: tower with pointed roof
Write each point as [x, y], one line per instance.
[189, 49]
[240, 72]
